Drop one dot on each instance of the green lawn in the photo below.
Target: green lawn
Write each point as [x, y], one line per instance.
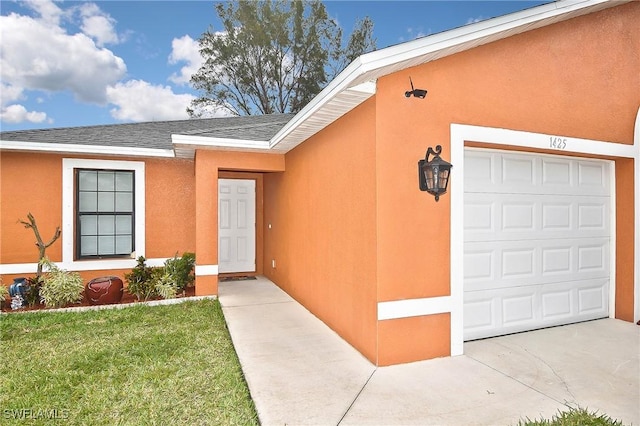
[141, 365]
[574, 417]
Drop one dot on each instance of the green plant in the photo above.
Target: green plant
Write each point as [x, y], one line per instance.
[573, 417]
[4, 292]
[163, 283]
[181, 270]
[32, 296]
[60, 287]
[139, 280]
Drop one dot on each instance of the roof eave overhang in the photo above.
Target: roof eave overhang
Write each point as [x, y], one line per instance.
[185, 146]
[357, 82]
[353, 86]
[111, 151]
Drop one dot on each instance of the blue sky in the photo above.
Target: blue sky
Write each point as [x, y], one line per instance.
[76, 63]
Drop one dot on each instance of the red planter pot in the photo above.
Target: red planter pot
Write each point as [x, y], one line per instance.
[104, 290]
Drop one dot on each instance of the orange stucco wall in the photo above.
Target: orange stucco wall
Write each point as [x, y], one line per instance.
[170, 202]
[29, 183]
[37, 188]
[624, 239]
[578, 78]
[322, 212]
[423, 334]
[555, 80]
[344, 221]
[208, 168]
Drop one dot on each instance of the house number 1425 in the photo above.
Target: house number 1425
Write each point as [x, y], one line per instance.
[557, 142]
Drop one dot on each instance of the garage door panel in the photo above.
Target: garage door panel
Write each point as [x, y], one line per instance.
[491, 217]
[536, 241]
[504, 264]
[593, 300]
[512, 310]
[529, 174]
[519, 171]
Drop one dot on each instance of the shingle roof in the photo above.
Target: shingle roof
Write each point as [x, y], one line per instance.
[156, 134]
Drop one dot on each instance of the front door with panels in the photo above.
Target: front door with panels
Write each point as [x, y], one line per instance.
[536, 241]
[236, 225]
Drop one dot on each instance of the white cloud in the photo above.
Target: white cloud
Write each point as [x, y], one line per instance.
[10, 94]
[39, 56]
[18, 114]
[138, 100]
[185, 49]
[98, 25]
[49, 12]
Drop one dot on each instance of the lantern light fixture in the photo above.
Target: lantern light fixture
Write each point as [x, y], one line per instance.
[434, 174]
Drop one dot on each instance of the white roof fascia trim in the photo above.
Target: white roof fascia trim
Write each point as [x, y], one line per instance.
[208, 142]
[85, 149]
[337, 85]
[429, 44]
[370, 62]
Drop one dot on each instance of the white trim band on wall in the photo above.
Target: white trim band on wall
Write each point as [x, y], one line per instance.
[413, 307]
[89, 265]
[206, 270]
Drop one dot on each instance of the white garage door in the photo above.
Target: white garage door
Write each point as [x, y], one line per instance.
[536, 241]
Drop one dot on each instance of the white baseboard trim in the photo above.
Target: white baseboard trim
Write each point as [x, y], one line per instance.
[206, 270]
[77, 266]
[413, 307]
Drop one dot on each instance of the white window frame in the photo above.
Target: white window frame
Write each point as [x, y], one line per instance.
[68, 213]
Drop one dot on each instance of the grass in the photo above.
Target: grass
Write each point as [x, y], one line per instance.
[140, 366]
[574, 417]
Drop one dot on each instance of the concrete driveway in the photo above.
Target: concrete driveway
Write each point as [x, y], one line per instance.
[301, 373]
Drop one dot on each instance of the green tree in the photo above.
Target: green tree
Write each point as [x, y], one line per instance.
[273, 56]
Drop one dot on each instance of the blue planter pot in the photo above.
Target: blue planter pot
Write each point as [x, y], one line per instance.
[19, 286]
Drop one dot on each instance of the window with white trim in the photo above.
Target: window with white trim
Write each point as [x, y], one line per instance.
[105, 213]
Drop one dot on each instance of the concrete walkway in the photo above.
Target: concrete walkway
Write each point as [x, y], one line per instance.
[301, 373]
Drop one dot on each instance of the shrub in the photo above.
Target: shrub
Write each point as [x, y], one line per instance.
[181, 270]
[139, 280]
[4, 292]
[60, 287]
[163, 283]
[32, 295]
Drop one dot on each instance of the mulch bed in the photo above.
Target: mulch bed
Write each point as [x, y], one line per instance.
[127, 298]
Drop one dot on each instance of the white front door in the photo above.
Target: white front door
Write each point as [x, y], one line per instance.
[536, 241]
[236, 225]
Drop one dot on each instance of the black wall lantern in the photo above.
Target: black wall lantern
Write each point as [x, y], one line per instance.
[434, 175]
